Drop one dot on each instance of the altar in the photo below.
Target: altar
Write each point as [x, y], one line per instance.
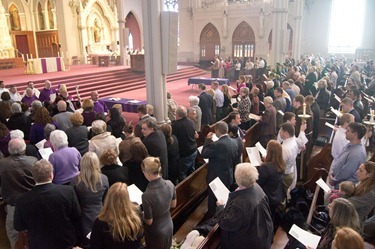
[45, 65]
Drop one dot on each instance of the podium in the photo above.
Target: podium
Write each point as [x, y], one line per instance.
[137, 62]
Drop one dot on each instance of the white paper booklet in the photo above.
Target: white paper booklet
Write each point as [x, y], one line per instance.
[323, 185]
[253, 116]
[254, 156]
[306, 238]
[200, 152]
[52, 97]
[40, 144]
[45, 153]
[281, 112]
[330, 125]
[135, 194]
[134, 101]
[336, 112]
[261, 149]
[220, 191]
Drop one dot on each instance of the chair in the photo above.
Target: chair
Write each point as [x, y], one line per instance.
[89, 59]
[75, 60]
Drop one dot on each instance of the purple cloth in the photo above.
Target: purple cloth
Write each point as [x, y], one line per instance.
[88, 117]
[44, 65]
[126, 105]
[4, 145]
[99, 106]
[36, 133]
[65, 163]
[29, 100]
[58, 63]
[45, 93]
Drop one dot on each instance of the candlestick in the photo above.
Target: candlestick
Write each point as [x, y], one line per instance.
[58, 54]
[27, 56]
[31, 56]
[62, 55]
[304, 109]
[67, 55]
[23, 58]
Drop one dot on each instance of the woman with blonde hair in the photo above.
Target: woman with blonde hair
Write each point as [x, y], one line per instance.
[347, 238]
[119, 224]
[90, 186]
[157, 200]
[227, 108]
[88, 112]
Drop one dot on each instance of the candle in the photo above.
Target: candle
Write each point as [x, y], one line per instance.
[62, 54]
[58, 54]
[304, 109]
[67, 55]
[27, 56]
[23, 58]
[31, 56]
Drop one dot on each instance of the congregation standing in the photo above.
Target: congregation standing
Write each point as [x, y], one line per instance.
[84, 179]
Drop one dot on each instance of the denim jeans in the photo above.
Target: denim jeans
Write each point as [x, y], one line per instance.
[187, 165]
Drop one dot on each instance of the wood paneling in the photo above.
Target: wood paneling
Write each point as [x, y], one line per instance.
[47, 42]
[19, 38]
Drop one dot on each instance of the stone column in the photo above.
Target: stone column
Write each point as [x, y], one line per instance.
[155, 80]
[121, 23]
[279, 31]
[297, 34]
[46, 19]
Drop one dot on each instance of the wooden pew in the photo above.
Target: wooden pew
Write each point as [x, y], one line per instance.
[191, 203]
[212, 240]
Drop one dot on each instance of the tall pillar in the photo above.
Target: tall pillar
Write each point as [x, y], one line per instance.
[279, 31]
[297, 34]
[122, 34]
[155, 79]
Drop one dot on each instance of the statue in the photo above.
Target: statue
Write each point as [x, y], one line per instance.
[261, 23]
[97, 31]
[14, 19]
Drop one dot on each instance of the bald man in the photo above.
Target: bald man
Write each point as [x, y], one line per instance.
[99, 105]
[62, 119]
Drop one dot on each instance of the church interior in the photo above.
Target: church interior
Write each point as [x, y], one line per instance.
[135, 53]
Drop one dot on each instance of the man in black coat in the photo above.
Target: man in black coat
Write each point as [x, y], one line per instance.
[222, 156]
[205, 103]
[16, 179]
[183, 128]
[49, 212]
[156, 145]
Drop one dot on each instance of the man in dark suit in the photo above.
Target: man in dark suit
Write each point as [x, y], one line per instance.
[205, 103]
[16, 179]
[222, 156]
[156, 145]
[267, 122]
[347, 107]
[49, 212]
[143, 115]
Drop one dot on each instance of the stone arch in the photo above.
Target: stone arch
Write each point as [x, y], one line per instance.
[99, 27]
[290, 45]
[209, 42]
[243, 41]
[133, 25]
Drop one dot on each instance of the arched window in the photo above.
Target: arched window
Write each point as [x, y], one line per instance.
[41, 17]
[50, 16]
[243, 41]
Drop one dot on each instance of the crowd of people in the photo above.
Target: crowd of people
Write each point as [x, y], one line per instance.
[81, 189]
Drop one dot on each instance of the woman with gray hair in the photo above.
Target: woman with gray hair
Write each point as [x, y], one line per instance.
[194, 102]
[19, 120]
[102, 140]
[47, 132]
[65, 160]
[245, 220]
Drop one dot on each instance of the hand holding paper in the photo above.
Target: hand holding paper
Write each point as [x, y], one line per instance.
[220, 191]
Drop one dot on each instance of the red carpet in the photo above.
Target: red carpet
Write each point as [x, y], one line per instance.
[114, 81]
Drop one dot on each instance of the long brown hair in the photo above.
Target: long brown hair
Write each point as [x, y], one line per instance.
[365, 185]
[275, 155]
[120, 213]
